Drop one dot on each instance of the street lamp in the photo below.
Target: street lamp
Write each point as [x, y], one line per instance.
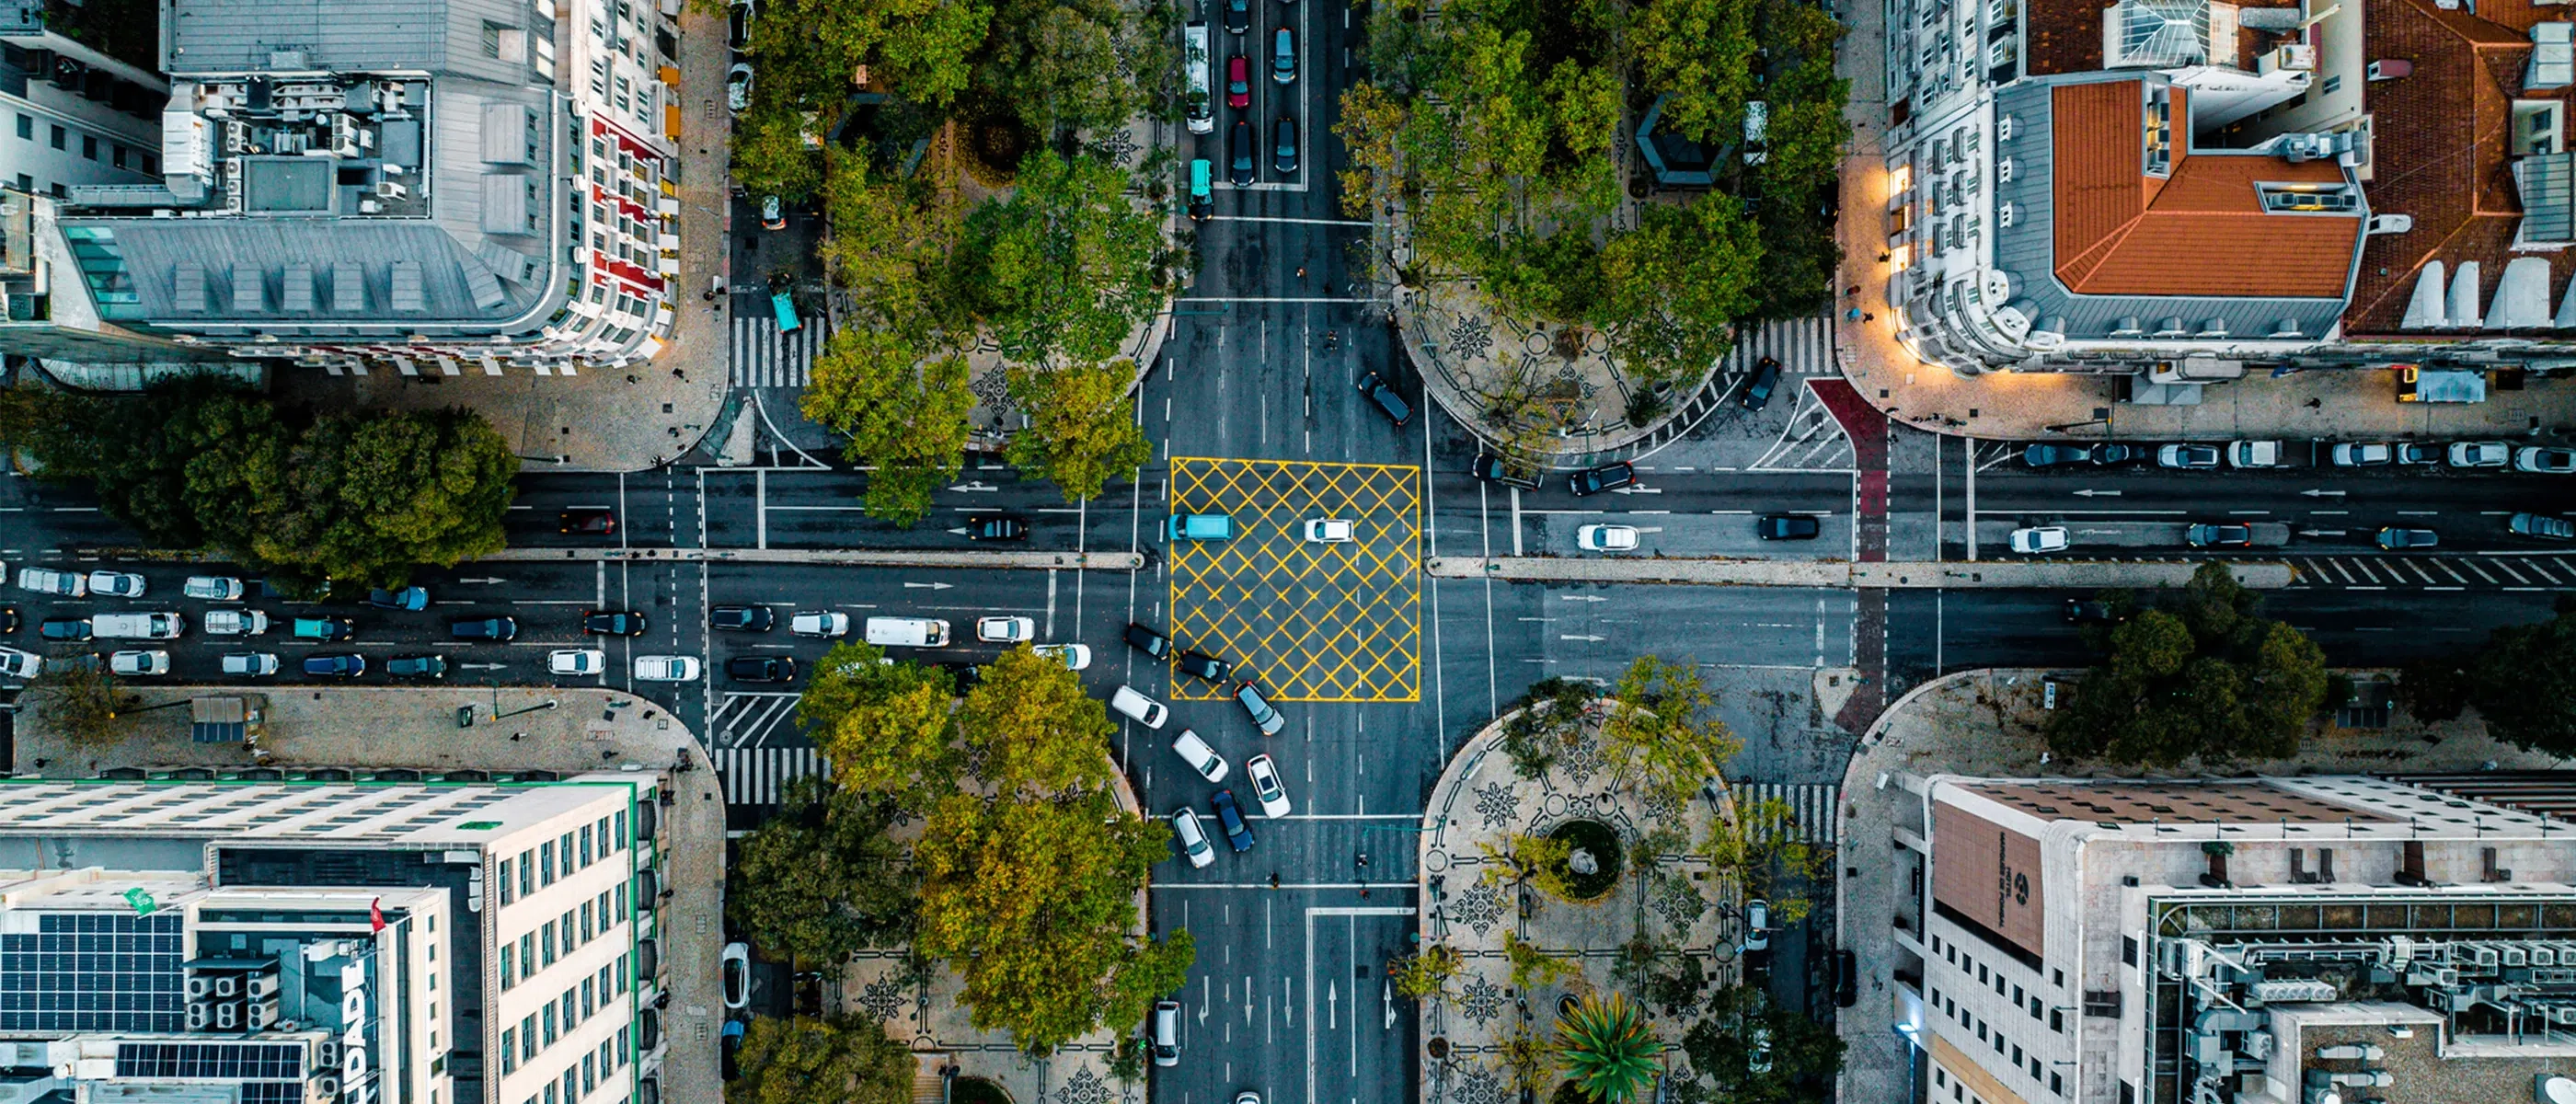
[549, 703]
[115, 713]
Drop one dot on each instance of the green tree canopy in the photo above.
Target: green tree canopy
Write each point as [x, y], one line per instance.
[1057, 63]
[1662, 736]
[1033, 730]
[844, 1060]
[1082, 428]
[886, 728]
[906, 419]
[2524, 682]
[1033, 901]
[1065, 267]
[2204, 675]
[821, 879]
[1744, 1029]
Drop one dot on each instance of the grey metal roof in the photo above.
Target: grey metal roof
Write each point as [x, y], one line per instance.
[2027, 251]
[344, 36]
[249, 263]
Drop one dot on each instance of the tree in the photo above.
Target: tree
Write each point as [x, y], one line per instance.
[1082, 431]
[78, 697]
[1032, 728]
[844, 1060]
[1426, 972]
[1065, 267]
[2433, 689]
[2203, 675]
[2524, 682]
[1672, 290]
[821, 879]
[1057, 63]
[1552, 717]
[888, 248]
[1758, 854]
[1699, 55]
[1606, 1049]
[1033, 902]
[769, 154]
[1743, 1025]
[906, 419]
[1660, 736]
[884, 727]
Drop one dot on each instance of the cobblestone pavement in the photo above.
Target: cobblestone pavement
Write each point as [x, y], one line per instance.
[1986, 723]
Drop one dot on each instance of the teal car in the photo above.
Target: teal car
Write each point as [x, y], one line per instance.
[1199, 527]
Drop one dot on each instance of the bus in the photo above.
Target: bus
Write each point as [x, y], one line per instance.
[785, 305]
[1194, 38]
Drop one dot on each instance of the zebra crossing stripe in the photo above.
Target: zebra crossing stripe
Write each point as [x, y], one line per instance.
[764, 357]
[1812, 806]
[756, 776]
[1803, 346]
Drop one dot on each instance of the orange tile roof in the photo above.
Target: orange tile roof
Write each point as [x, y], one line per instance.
[2202, 231]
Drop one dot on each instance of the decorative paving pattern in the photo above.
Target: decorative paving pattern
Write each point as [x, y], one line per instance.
[992, 388]
[1470, 335]
[1478, 1086]
[883, 997]
[1480, 1000]
[1479, 907]
[1307, 622]
[1084, 1087]
[1678, 902]
[1495, 804]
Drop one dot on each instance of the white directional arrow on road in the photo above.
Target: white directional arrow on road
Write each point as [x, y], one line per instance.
[1332, 1005]
[926, 586]
[972, 486]
[960, 530]
[1203, 1003]
[1592, 639]
[486, 582]
[2089, 493]
[1583, 598]
[1288, 1008]
[484, 666]
[1386, 997]
[1636, 490]
[2322, 494]
[1247, 1000]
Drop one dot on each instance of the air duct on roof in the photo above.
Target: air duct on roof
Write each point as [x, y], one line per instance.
[2463, 312]
[2425, 309]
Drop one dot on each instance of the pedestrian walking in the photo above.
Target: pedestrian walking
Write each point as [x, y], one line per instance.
[1852, 315]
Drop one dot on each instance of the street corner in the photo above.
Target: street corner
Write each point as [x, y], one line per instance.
[1333, 619]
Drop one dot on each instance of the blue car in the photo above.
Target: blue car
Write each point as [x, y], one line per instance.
[335, 666]
[407, 598]
[1237, 833]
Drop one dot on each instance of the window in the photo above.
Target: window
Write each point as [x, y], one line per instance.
[58, 136]
[2056, 1084]
[2034, 1006]
[568, 944]
[2128, 1093]
[2016, 1053]
[563, 848]
[569, 1082]
[621, 973]
[568, 1017]
[528, 1037]
[585, 845]
[546, 939]
[1940, 1078]
[589, 996]
[89, 146]
[589, 1072]
[508, 894]
[546, 1016]
[622, 911]
[546, 860]
[551, 1098]
[2017, 997]
[116, 154]
[525, 873]
[509, 966]
[621, 826]
[2128, 950]
[585, 922]
[27, 127]
[621, 1048]
[527, 952]
[1982, 976]
[26, 183]
[509, 1049]
[152, 164]
[2057, 1021]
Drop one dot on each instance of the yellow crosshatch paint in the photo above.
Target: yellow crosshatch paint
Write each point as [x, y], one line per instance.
[1306, 622]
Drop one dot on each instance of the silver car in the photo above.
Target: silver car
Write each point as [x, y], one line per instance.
[250, 664]
[2479, 454]
[1193, 838]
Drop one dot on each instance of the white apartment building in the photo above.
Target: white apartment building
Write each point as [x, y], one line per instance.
[314, 940]
[2239, 941]
[70, 114]
[421, 185]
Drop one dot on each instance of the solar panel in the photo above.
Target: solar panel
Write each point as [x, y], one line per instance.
[93, 972]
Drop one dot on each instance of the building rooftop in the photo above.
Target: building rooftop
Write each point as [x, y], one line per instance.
[2228, 802]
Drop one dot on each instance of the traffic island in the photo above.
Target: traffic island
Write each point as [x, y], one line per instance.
[1564, 898]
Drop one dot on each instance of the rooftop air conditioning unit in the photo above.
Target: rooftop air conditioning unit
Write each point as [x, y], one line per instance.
[227, 1017]
[389, 189]
[199, 1016]
[227, 985]
[199, 985]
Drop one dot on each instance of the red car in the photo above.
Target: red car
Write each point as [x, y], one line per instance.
[1238, 81]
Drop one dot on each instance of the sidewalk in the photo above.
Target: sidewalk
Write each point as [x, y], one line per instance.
[1986, 723]
[2353, 404]
[1839, 575]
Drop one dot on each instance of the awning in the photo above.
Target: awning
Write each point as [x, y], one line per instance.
[218, 720]
[2440, 385]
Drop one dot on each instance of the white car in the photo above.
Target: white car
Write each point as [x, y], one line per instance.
[738, 86]
[1193, 838]
[1199, 756]
[236, 622]
[1757, 923]
[818, 623]
[1264, 774]
[1328, 531]
[1139, 708]
[577, 661]
[250, 664]
[2362, 454]
[1075, 657]
[132, 664]
[2045, 538]
[16, 664]
[1005, 630]
[667, 668]
[2480, 454]
[736, 970]
[46, 580]
[213, 588]
[1606, 538]
[116, 584]
[2546, 461]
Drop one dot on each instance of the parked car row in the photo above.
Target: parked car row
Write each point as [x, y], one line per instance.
[2256, 454]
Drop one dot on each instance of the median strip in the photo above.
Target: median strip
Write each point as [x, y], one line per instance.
[1840, 574]
[848, 557]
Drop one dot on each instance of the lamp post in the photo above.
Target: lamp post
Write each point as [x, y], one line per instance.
[549, 703]
[115, 713]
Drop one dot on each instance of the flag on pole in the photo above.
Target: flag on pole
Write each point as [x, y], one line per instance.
[375, 915]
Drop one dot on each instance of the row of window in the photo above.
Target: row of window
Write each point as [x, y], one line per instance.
[555, 939]
[538, 867]
[2028, 1002]
[596, 1067]
[557, 1018]
[59, 137]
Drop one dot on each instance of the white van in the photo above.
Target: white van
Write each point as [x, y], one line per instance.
[1144, 710]
[907, 632]
[137, 626]
[236, 622]
[1167, 1033]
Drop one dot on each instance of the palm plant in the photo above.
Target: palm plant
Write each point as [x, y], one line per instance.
[1603, 1045]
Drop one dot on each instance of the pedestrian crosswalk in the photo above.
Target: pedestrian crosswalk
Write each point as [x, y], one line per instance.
[764, 357]
[2507, 572]
[756, 775]
[1803, 346]
[1811, 809]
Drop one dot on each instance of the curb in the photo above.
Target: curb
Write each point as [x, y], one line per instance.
[1845, 575]
[1026, 561]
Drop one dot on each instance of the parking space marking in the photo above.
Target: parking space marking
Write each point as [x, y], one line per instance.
[1309, 622]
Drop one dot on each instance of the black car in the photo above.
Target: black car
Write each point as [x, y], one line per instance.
[1201, 665]
[743, 618]
[2112, 456]
[1492, 469]
[1238, 16]
[996, 527]
[963, 676]
[1148, 641]
[1238, 154]
[407, 598]
[613, 623]
[1592, 481]
[598, 521]
[2081, 611]
[1237, 833]
[1264, 717]
[335, 666]
[63, 628]
[761, 669]
[2050, 456]
[1766, 376]
[8, 619]
[1846, 979]
[809, 993]
[417, 666]
[1787, 527]
[484, 628]
[1283, 145]
[1386, 398]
